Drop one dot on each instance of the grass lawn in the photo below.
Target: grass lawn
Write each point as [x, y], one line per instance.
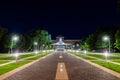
[12, 57]
[6, 68]
[4, 54]
[118, 61]
[109, 65]
[2, 61]
[113, 56]
[97, 56]
[26, 55]
[9, 67]
[85, 57]
[37, 57]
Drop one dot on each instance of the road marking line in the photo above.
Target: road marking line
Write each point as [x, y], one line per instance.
[61, 73]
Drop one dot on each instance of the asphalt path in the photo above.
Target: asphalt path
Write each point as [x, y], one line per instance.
[45, 69]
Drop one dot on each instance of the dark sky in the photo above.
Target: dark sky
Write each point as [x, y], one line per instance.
[72, 19]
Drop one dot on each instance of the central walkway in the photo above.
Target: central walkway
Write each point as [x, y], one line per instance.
[72, 67]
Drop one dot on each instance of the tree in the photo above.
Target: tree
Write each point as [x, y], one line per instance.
[89, 42]
[3, 33]
[117, 39]
[105, 31]
[36, 35]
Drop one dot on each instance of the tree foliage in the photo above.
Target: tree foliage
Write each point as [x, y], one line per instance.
[95, 41]
[117, 39]
[26, 40]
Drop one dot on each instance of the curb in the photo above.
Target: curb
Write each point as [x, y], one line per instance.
[8, 74]
[100, 67]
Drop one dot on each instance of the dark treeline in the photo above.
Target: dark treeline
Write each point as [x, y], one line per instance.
[26, 41]
[95, 42]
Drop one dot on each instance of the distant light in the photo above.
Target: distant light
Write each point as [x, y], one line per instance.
[15, 38]
[85, 51]
[43, 45]
[36, 52]
[77, 50]
[105, 38]
[16, 54]
[35, 43]
[44, 51]
[77, 45]
[73, 45]
[106, 54]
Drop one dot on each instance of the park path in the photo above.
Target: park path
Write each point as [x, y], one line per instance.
[77, 69]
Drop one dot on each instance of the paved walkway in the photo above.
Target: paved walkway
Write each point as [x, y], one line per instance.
[76, 69]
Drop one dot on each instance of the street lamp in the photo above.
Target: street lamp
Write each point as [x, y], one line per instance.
[106, 38]
[16, 56]
[85, 52]
[14, 40]
[73, 46]
[36, 52]
[43, 46]
[106, 55]
[35, 45]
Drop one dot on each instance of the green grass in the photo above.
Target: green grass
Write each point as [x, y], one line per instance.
[5, 54]
[38, 56]
[13, 58]
[12, 66]
[109, 65]
[84, 56]
[25, 55]
[112, 56]
[6, 68]
[7, 58]
[97, 56]
[2, 62]
[118, 61]
[118, 54]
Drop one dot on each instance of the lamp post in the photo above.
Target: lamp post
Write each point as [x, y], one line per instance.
[106, 38]
[85, 52]
[43, 47]
[14, 39]
[35, 45]
[16, 56]
[73, 47]
[106, 55]
[77, 46]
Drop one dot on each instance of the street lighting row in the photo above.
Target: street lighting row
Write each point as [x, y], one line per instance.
[14, 39]
[107, 38]
[106, 54]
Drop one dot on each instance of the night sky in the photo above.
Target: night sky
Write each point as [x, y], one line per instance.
[72, 19]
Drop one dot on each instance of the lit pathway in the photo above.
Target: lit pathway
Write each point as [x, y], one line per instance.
[73, 69]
